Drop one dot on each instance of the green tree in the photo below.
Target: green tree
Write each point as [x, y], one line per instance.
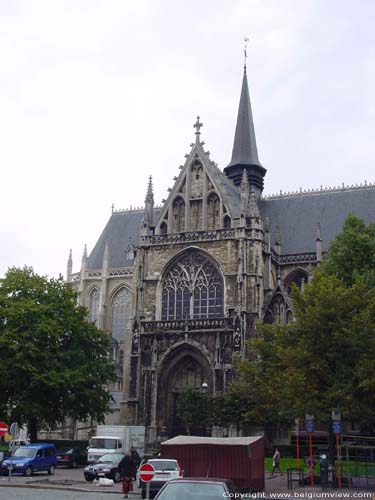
[193, 408]
[229, 409]
[53, 363]
[352, 253]
[324, 359]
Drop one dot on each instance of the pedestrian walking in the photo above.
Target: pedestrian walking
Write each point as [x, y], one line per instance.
[276, 462]
[135, 457]
[127, 471]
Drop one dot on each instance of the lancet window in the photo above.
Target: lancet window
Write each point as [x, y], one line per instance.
[178, 215]
[213, 212]
[94, 299]
[120, 308]
[192, 288]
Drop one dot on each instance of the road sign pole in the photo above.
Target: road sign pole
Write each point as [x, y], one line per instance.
[338, 460]
[148, 490]
[311, 460]
[297, 441]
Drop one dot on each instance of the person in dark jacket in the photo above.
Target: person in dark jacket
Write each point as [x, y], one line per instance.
[135, 457]
[127, 470]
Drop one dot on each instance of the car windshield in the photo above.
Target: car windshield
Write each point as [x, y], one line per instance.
[66, 450]
[192, 491]
[23, 452]
[164, 465]
[110, 457]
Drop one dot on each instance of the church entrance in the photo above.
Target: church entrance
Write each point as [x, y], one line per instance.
[185, 366]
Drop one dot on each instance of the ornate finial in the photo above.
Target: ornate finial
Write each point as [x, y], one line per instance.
[113, 207]
[197, 126]
[245, 40]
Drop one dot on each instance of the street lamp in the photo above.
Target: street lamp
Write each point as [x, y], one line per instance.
[204, 387]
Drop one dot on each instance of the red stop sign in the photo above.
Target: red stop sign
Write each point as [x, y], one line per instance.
[3, 429]
[146, 472]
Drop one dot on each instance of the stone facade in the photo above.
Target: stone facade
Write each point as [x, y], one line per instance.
[180, 287]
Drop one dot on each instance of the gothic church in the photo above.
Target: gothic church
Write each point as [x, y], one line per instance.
[180, 287]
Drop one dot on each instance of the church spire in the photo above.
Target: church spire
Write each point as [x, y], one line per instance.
[245, 152]
[148, 216]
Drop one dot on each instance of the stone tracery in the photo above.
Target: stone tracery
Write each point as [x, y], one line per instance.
[192, 288]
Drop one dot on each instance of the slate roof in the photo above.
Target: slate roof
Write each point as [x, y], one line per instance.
[121, 228]
[297, 215]
[244, 147]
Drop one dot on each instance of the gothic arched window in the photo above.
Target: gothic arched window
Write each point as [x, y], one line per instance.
[297, 277]
[213, 211]
[120, 308]
[163, 228]
[178, 215]
[94, 298]
[192, 288]
[227, 222]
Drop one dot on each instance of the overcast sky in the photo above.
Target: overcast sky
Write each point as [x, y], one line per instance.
[97, 95]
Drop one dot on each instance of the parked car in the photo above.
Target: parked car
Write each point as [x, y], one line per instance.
[199, 488]
[165, 470]
[31, 458]
[71, 457]
[4, 454]
[106, 466]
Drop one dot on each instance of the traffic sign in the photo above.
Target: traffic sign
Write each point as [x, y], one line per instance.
[336, 426]
[146, 472]
[309, 423]
[8, 438]
[15, 430]
[3, 429]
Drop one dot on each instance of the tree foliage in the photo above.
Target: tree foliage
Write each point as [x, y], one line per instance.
[324, 359]
[53, 362]
[193, 408]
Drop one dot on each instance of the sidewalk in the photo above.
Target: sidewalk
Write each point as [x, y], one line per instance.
[277, 484]
[275, 487]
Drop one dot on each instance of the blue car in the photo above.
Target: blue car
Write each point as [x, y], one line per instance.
[31, 458]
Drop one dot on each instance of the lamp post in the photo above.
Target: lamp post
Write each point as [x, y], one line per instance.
[204, 389]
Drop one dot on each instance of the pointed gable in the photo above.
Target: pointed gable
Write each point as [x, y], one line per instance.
[202, 197]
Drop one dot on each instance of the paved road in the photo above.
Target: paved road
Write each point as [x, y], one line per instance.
[63, 478]
[38, 494]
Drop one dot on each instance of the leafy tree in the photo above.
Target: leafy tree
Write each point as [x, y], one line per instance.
[352, 253]
[193, 408]
[324, 359]
[229, 409]
[53, 363]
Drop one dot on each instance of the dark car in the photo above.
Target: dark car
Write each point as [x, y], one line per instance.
[199, 488]
[4, 454]
[106, 466]
[71, 457]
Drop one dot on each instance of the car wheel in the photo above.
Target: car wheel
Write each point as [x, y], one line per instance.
[28, 472]
[51, 470]
[117, 477]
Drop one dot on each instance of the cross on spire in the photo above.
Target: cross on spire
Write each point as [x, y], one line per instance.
[198, 125]
[245, 40]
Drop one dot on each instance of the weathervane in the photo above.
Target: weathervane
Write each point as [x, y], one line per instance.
[246, 39]
[197, 126]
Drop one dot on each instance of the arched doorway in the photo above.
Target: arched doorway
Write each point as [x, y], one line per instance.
[184, 366]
